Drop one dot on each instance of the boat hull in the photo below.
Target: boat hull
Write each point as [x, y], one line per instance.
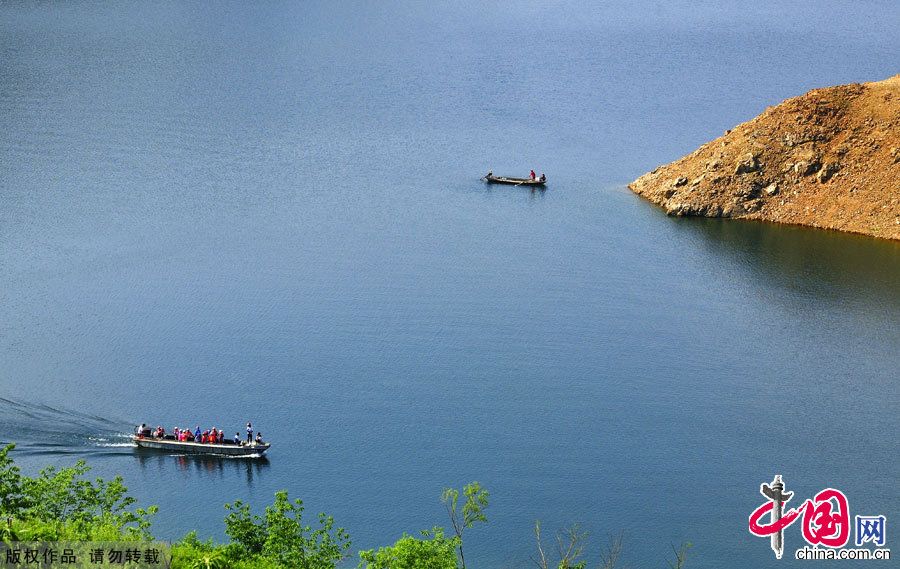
[514, 181]
[180, 447]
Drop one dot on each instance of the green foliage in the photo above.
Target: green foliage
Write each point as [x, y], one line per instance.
[245, 528]
[91, 509]
[63, 504]
[191, 553]
[11, 499]
[210, 560]
[281, 536]
[18, 530]
[191, 541]
[472, 511]
[409, 552]
[473, 508]
[188, 557]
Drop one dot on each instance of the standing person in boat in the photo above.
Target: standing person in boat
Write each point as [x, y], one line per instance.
[249, 433]
[197, 434]
[532, 175]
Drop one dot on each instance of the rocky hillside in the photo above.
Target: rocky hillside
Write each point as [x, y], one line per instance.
[829, 158]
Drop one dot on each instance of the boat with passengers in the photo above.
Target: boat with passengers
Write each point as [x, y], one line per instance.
[539, 181]
[144, 437]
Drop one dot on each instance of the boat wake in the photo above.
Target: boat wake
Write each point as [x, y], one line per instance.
[213, 455]
[107, 444]
[254, 455]
[39, 429]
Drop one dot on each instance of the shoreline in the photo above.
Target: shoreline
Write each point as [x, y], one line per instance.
[829, 159]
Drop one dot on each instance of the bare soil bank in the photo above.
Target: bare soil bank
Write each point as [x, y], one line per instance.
[829, 159]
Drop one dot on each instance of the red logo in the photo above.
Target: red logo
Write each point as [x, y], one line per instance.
[826, 517]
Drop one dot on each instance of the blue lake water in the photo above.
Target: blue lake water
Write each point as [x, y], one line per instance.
[218, 213]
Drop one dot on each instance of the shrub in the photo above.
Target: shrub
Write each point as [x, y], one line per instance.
[409, 552]
[281, 536]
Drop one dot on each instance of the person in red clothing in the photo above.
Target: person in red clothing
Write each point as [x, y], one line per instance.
[532, 174]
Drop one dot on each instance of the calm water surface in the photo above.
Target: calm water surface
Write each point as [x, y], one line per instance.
[214, 214]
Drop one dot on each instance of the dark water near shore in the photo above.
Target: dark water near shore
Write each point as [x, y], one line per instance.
[272, 212]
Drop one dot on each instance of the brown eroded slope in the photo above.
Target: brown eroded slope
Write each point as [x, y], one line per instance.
[829, 158]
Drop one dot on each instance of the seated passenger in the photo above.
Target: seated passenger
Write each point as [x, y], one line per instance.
[221, 437]
[237, 439]
[259, 440]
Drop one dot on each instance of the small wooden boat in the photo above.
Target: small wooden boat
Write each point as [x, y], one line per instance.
[492, 179]
[227, 448]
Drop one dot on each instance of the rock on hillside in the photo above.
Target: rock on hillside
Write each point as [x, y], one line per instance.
[829, 159]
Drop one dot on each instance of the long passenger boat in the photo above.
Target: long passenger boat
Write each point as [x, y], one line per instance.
[492, 179]
[228, 448]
